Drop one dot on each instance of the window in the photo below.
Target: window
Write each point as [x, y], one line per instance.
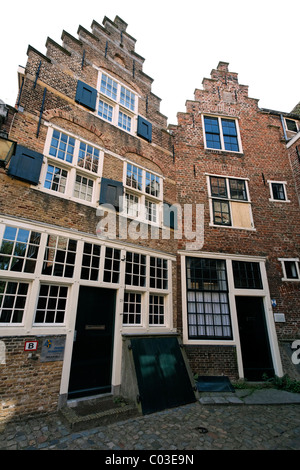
[73, 167]
[19, 250]
[291, 125]
[143, 193]
[132, 308]
[290, 269]
[62, 146]
[51, 306]
[278, 191]
[246, 275]
[56, 179]
[112, 265]
[156, 309]
[229, 202]
[116, 103]
[83, 188]
[135, 270]
[207, 299]
[90, 262]
[221, 134]
[158, 273]
[60, 255]
[12, 301]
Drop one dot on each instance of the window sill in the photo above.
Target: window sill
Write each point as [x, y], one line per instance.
[249, 229]
[230, 153]
[279, 200]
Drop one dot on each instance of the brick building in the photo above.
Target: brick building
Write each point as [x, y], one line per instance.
[175, 231]
[239, 292]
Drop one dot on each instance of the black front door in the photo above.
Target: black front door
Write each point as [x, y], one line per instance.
[91, 365]
[254, 338]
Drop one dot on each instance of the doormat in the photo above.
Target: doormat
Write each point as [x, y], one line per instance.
[207, 383]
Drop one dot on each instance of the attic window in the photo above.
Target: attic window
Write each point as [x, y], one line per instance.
[291, 125]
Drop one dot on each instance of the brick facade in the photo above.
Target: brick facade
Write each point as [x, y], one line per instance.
[179, 161]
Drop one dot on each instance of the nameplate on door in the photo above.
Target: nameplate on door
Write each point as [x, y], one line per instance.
[95, 327]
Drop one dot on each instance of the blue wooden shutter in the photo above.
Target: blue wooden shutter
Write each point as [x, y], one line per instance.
[170, 216]
[86, 95]
[111, 193]
[26, 164]
[144, 129]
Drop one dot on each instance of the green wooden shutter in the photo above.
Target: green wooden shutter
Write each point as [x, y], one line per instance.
[86, 95]
[111, 193]
[26, 164]
[144, 129]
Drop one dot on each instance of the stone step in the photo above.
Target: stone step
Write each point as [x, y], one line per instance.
[96, 412]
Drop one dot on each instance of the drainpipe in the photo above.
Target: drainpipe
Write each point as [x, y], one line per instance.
[283, 127]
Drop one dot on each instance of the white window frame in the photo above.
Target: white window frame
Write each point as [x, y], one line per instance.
[222, 149]
[73, 169]
[297, 265]
[116, 103]
[229, 200]
[142, 196]
[37, 278]
[286, 126]
[264, 293]
[284, 184]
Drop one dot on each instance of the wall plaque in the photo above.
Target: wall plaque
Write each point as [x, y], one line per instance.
[53, 349]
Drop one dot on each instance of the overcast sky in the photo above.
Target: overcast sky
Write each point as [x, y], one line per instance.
[181, 42]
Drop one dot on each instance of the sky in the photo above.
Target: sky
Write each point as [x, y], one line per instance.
[181, 42]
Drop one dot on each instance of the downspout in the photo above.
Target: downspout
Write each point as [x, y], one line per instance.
[283, 127]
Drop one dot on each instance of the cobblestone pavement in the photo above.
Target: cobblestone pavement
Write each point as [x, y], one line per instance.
[186, 428]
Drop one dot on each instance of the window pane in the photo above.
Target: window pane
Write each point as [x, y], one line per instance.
[230, 135]
[59, 257]
[238, 189]
[221, 212]
[218, 186]
[56, 179]
[134, 177]
[51, 304]
[124, 121]
[212, 132]
[88, 157]
[62, 146]
[246, 275]
[207, 299]
[291, 270]
[278, 191]
[19, 249]
[132, 308]
[127, 98]
[108, 87]
[105, 111]
[12, 301]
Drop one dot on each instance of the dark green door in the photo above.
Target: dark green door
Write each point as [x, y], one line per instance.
[91, 365]
[254, 338]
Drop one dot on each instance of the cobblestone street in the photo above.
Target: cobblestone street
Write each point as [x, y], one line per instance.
[186, 428]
